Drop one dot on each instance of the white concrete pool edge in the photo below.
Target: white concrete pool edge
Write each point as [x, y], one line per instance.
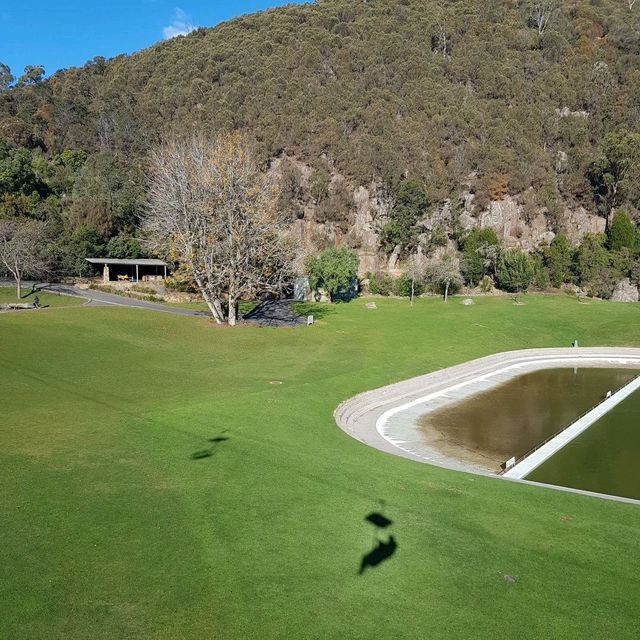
[535, 459]
[365, 416]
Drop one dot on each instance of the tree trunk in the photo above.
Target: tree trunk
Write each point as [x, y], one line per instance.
[18, 287]
[608, 220]
[413, 289]
[213, 303]
[214, 307]
[233, 311]
[217, 305]
[446, 292]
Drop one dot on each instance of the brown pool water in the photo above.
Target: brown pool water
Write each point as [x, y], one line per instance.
[518, 415]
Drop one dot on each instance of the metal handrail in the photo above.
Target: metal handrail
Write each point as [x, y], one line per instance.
[557, 433]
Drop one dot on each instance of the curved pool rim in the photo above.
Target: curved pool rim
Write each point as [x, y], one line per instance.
[366, 416]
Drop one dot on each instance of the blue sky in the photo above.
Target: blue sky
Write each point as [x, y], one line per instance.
[66, 33]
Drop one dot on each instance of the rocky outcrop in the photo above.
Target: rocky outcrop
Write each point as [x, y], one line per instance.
[507, 219]
[625, 291]
[515, 223]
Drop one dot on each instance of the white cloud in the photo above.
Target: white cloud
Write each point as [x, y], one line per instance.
[181, 25]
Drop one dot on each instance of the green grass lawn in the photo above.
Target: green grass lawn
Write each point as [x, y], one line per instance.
[8, 296]
[121, 518]
[245, 306]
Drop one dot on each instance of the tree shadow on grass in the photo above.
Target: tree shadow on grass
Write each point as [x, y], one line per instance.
[208, 453]
[382, 549]
[318, 310]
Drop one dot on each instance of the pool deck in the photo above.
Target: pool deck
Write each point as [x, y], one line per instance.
[385, 418]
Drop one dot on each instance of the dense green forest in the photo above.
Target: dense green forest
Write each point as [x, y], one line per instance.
[494, 96]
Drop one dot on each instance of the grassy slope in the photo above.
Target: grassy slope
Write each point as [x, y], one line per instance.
[110, 529]
[8, 296]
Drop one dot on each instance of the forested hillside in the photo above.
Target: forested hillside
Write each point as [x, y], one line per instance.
[481, 98]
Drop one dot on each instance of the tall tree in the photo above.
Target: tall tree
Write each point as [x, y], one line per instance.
[212, 209]
[410, 205]
[615, 172]
[541, 13]
[6, 77]
[557, 258]
[33, 74]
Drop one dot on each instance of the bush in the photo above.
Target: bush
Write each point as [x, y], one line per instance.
[557, 259]
[486, 284]
[591, 261]
[622, 233]
[515, 271]
[402, 286]
[480, 251]
[180, 284]
[335, 271]
[540, 273]
[380, 284]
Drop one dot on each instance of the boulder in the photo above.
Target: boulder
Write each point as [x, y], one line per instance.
[625, 292]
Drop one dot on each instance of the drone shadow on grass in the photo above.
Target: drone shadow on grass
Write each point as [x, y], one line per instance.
[210, 451]
[382, 549]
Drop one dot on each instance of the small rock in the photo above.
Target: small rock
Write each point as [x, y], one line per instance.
[371, 305]
[511, 579]
[467, 302]
[625, 292]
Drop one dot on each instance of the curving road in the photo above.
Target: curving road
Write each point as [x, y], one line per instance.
[101, 299]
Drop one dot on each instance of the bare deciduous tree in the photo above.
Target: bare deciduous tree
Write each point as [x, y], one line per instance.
[440, 42]
[21, 250]
[446, 274]
[212, 209]
[631, 3]
[415, 271]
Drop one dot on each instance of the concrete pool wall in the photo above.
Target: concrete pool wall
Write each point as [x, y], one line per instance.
[386, 418]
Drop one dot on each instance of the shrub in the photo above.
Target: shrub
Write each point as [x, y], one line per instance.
[181, 284]
[622, 233]
[479, 255]
[557, 259]
[334, 270]
[486, 284]
[142, 289]
[380, 284]
[402, 286]
[515, 271]
[591, 261]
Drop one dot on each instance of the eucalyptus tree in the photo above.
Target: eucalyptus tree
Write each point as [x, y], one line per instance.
[6, 77]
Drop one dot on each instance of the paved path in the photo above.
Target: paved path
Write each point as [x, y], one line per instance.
[271, 313]
[366, 417]
[99, 298]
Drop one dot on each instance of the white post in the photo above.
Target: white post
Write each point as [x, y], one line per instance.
[137, 277]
